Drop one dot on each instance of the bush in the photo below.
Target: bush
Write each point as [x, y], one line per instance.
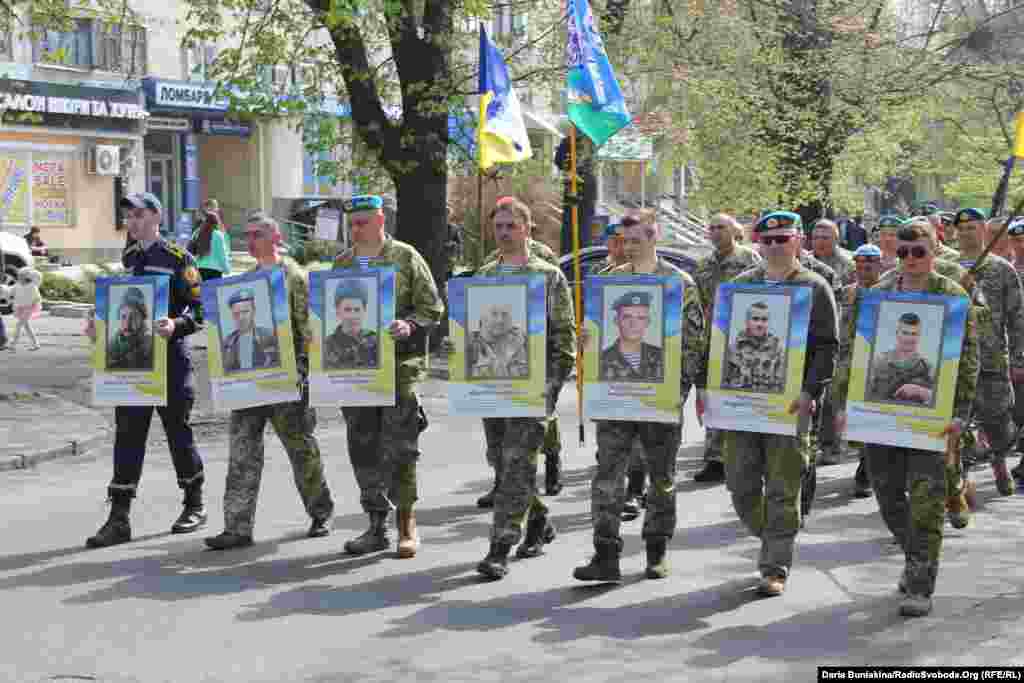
[59, 288]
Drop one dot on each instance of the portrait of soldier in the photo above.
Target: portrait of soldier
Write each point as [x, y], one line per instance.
[498, 350]
[902, 374]
[132, 346]
[249, 347]
[630, 357]
[755, 360]
[350, 346]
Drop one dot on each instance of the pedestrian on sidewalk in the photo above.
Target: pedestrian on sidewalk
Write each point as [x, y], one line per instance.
[383, 442]
[28, 304]
[294, 421]
[150, 254]
[210, 245]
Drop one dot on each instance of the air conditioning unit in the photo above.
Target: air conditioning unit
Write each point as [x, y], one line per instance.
[105, 160]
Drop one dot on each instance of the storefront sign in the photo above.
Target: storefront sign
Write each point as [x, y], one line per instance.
[172, 95]
[54, 98]
[208, 127]
[50, 191]
[169, 123]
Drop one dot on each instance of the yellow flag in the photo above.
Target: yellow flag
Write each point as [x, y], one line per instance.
[1018, 137]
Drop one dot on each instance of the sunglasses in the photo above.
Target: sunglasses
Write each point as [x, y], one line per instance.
[758, 319]
[916, 252]
[776, 239]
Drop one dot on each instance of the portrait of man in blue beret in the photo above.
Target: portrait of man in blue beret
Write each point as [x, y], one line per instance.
[630, 358]
[249, 346]
[354, 343]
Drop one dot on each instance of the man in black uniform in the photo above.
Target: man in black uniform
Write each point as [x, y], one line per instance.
[151, 255]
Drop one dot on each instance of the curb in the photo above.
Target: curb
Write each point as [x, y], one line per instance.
[74, 448]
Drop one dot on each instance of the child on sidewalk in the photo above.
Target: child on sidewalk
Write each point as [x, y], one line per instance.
[28, 304]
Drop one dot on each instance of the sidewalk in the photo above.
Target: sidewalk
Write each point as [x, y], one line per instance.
[36, 427]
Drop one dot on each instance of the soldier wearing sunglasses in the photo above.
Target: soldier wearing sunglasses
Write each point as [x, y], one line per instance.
[915, 520]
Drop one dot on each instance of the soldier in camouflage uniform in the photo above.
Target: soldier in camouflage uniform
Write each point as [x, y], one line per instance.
[1016, 233]
[939, 224]
[499, 349]
[616, 250]
[132, 347]
[521, 438]
[888, 226]
[383, 442]
[660, 440]
[825, 248]
[902, 374]
[726, 262]
[915, 520]
[1001, 340]
[764, 472]
[350, 347]
[755, 361]
[294, 422]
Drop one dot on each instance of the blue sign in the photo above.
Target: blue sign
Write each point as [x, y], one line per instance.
[223, 127]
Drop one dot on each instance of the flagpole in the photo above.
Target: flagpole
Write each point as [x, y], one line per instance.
[481, 246]
[577, 278]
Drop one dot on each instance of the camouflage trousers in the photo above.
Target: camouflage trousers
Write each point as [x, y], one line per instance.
[294, 424]
[494, 432]
[763, 472]
[917, 521]
[518, 454]
[607, 492]
[993, 409]
[383, 446]
[1018, 411]
[825, 426]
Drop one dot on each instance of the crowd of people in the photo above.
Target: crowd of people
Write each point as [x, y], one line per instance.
[636, 460]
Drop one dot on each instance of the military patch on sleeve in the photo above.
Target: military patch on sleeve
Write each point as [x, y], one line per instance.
[191, 275]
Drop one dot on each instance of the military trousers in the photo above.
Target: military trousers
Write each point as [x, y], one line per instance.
[916, 519]
[294, 423]
[552, 434]
[1018, 412]
[713, 445]
[607, 493]
[763, 472]
[827, 439]
[132, 431]
[494, 432]
[383, 446]
[993, 408]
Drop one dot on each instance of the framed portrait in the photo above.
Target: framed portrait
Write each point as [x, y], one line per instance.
[906, 355]
[633, 362]
[251, 349]
[129, 358]
[352, 354]
[499, 328]
[756, 364]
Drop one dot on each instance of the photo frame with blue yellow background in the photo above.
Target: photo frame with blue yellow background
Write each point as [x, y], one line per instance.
[246, 388]
[369, 386]
[732, 406]
[906, 424]
[654, 399]
[138, 386]
[497, 397]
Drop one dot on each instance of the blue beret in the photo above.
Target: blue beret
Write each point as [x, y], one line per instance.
[133, 296]
[351, 289]
[891, 221]
[1016, 227]
[244, 294]
[364, 202]
[971, 214]
[612, 230]
[633, 299]
[779, 219]
[868, 251]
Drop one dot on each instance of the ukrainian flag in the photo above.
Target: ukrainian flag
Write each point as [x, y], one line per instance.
[502, 131]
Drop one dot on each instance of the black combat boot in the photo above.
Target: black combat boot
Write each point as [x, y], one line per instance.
[193, 512]
[117, 528]
[657, 563]
[553, 473]
[861, 483]
[604, 565]
[713, 472]
[495, 565]
[375, 539]
[539, 532]
[487, 500]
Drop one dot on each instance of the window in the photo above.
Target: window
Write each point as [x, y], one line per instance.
[6, 46]
[69, 48]
[121, 49]
[198, 60]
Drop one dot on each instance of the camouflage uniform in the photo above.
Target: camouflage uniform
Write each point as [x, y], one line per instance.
[1018, 393]
[890, 373]
[1001, 345]
[517, 441]
[917, 521]
[711, 271]
[763, 472]
[755, 363]
[130, 352]
[660, 440]
[344, 351]
[502, 358]
[536, 248]
[383, 442]
[841, 264]
[613, 366]
[294, 422]
[945, 253]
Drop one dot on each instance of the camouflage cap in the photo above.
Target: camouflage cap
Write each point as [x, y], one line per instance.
[350, 289]
[364, 202]
[969, 214]
[240, 295]
[632, 299]
[133, 296]
[778, 219]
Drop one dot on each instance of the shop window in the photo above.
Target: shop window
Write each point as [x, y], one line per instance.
[6, 46]
[68, 48]
[37, 188]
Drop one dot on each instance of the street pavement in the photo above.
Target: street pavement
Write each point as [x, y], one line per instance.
[294, 609]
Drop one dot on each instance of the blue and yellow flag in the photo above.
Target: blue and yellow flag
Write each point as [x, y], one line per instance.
[596, 105]
[502, 132]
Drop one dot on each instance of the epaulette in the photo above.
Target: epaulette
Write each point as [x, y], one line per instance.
[176, 251]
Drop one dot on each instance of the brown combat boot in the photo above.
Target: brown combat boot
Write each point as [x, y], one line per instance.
[408, 538]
